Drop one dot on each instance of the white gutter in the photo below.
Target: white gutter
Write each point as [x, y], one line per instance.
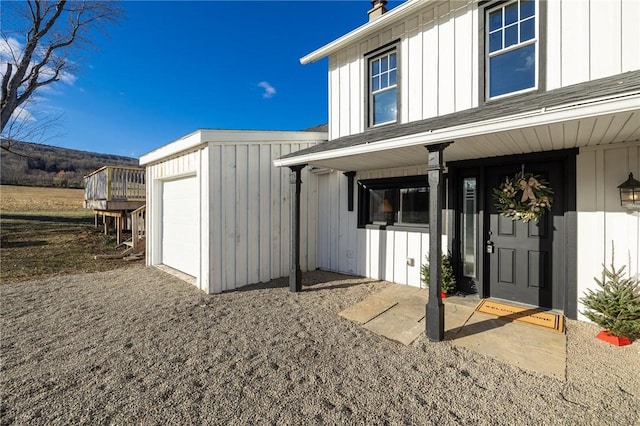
[541, 117]
[396, 13]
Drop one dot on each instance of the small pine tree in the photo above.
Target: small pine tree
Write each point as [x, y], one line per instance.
[448, 283]
[616, 306]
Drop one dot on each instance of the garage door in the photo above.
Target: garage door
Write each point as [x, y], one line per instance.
[180, 225]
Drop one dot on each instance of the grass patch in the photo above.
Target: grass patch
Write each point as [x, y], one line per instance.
[46, 232]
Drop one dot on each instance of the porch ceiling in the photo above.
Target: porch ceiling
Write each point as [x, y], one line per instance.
[604, 129]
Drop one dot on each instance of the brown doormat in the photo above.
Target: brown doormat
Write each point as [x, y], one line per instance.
[537, 317]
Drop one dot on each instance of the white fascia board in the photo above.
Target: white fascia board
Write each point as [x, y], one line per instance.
[185, 143]
[396, 13]
[203, 137]
[261, 136]
[540, 117]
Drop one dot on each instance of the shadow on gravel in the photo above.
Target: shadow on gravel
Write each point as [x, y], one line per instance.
[277, 283]
[311, 281]
[320, 286]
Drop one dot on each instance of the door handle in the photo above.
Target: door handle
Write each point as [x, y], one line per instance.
[489, 247]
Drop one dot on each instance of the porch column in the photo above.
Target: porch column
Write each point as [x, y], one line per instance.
[435, 308]
[295, 274]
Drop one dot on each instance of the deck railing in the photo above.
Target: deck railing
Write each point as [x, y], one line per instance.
[111, 183]
[137, 229]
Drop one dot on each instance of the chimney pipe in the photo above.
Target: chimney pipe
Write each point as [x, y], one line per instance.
[379, 7]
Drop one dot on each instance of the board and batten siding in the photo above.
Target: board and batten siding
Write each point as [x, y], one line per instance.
[250, 214]
[435, 77]
[602, 222]
[244, 211]
[440, 62]
[587, 40]
[379, 254]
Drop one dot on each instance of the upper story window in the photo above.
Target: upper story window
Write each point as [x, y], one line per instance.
[511, 48]
[383, 89]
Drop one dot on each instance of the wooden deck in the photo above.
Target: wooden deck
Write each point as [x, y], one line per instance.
[117, 194]
[115, 188]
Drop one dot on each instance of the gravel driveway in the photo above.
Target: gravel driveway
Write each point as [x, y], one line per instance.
[138, 346]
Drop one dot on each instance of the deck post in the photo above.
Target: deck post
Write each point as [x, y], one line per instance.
[295, 273]
[435, 308]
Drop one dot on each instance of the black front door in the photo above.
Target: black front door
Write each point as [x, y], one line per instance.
[525, 260]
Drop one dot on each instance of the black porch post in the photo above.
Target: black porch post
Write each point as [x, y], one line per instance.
[435, 308]
[295, 274]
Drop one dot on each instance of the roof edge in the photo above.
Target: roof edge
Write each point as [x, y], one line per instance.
[387, 18]
[202, 137]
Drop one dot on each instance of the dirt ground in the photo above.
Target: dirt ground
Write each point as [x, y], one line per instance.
[137, 346]
[46, 232]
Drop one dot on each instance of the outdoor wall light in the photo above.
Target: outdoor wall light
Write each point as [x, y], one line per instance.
[630, 193]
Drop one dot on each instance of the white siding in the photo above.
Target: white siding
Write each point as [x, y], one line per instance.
[342, 247]
[440, 60]
[601, 220]
[587, 40]
[438, 68]
[251, 235]
[245, 211]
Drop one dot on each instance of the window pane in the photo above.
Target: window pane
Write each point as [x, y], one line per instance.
[384, 81]
[510, 35]
[384, 107]
[469, 227]
[527, 29]
[414, 205]
[375, 84]
[512, 71]
[511, 14]
[495, 20]
[384, 64]
[375, 67]
[495, 41]
[392, 61]
[383, 206]
[527, 8]
[392, 78]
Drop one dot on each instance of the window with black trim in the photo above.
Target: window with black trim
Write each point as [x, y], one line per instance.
[383, 88]
[394, 201]
[511, 48]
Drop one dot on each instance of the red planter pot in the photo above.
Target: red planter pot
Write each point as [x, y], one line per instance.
[614, 340]
[443, 294]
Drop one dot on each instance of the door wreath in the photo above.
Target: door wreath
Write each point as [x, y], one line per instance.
[524, 196]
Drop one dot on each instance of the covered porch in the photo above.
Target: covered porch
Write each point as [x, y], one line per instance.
[559, 126]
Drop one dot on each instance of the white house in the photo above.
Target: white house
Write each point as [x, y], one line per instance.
[218, 211]
[483, 91]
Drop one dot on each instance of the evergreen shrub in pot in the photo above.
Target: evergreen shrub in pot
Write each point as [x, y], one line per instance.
[448, 284]
[615, 306]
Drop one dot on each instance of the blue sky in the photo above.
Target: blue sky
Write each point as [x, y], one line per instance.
[172, 67]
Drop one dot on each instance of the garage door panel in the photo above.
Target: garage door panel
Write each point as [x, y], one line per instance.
[180, 225]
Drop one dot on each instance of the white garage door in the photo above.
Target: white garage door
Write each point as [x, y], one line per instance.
[180, 225]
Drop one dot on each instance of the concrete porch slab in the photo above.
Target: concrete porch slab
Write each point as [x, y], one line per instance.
[398, 313]
[374, 305]
[526, 346]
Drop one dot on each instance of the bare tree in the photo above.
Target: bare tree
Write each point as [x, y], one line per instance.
[42, 52]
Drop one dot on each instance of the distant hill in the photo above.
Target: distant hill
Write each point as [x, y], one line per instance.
[33, 164]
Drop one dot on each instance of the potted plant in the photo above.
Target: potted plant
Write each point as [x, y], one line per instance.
[615, 306]
[448, 283]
